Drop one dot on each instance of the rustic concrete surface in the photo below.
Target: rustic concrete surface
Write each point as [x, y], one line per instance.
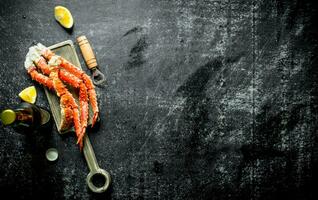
[205, 99]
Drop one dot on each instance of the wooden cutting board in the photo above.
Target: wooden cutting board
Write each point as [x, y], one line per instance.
[65, 49]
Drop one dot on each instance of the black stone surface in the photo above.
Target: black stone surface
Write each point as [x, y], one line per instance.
[205, 100]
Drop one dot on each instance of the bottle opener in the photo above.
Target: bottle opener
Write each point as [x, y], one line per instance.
[90, 60]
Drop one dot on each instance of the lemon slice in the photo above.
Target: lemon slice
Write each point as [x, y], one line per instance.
[28, 94]
[63, 16]
[7, 117]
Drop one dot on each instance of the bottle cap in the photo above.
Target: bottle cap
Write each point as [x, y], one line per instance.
[51, 154]
[7, 116]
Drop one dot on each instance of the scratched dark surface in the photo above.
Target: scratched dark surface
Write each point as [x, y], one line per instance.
[205, 100]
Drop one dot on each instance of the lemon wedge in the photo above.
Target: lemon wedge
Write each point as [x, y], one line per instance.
[63, 16]
[28, 94]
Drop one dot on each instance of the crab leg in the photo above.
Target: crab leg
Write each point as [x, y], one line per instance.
[41, 63]
[35, 75]
[48, 54]
[67, 100]
[88, 83]
[76, 83]
[83, 96]
[44, 80]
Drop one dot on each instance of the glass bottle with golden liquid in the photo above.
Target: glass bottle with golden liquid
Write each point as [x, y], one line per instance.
[26, 118]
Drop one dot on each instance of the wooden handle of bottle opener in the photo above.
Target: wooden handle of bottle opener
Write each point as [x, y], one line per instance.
[87, 52]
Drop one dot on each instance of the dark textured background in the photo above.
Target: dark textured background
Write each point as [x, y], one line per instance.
[205, 100]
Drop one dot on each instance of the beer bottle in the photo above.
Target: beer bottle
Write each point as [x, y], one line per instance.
[26, 118]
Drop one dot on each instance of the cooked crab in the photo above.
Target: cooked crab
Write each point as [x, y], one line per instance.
[53, 71]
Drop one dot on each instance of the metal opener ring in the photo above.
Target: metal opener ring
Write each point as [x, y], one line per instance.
[98, 76]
